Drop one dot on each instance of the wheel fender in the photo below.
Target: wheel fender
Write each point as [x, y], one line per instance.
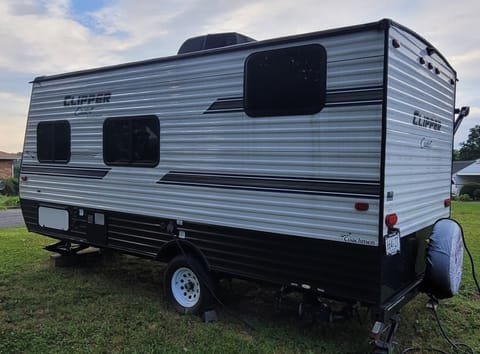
[444, 259]
[176, 247]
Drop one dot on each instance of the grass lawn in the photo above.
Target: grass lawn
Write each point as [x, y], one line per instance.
[118, 307]
[8, 202]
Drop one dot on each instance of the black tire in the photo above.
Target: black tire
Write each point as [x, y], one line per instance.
[188, 285]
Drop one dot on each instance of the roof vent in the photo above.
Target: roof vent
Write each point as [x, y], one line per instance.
[211, 41]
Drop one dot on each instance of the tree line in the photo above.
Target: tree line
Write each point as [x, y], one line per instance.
[470, 149]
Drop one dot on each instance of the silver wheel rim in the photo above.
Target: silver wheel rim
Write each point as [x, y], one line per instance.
[185, 287]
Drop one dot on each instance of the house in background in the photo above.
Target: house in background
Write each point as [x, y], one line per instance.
[7, 164]
[464, 172]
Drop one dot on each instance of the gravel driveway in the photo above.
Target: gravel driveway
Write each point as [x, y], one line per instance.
[11, 218]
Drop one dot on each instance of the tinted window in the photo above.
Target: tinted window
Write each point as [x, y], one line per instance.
[287, 81]
[131, 141]
[53, 141]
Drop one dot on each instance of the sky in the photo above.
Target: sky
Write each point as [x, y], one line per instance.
[44, 37]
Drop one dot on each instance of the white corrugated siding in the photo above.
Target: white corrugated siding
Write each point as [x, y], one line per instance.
[419, 177]
[338, 143]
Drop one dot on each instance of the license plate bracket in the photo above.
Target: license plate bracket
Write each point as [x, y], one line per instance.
[392, 243]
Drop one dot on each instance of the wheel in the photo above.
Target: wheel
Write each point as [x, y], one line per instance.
[188, 285]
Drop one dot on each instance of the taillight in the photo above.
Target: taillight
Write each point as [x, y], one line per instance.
[447, 203]
[391, 220]
[361, 206]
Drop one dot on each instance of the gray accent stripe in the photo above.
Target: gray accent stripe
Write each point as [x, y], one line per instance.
[223, 105]
[334, 98]
[343, 188]
[60, 171]
[351, 96]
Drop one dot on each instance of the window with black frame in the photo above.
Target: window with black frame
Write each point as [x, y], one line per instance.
[131, 141]
[286, 81]
[53, 142]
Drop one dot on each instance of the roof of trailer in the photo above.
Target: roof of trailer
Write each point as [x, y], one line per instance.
[380, 25]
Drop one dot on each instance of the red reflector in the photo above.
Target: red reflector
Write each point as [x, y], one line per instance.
[24, 178]
[361, 206]
[447, 203]
[391, 220]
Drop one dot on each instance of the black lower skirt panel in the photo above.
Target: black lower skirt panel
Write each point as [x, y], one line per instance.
[339, 270]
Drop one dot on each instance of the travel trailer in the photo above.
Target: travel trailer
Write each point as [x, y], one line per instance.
[317, 162]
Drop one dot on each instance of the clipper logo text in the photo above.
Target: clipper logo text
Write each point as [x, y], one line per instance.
[426, 122]
[91, 98]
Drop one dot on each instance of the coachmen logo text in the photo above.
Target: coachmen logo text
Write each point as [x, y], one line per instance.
[426, 122]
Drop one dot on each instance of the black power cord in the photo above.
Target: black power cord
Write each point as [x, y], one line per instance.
[423, 350]
[474, 276]
[456, 348]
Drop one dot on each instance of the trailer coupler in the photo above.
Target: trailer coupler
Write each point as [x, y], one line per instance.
[382, 335]
[65, 248]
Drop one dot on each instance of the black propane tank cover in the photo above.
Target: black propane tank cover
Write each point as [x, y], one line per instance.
[444, 259]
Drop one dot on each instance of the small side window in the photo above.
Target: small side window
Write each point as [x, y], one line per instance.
[53, 142]
[286, 81]
[131, 141]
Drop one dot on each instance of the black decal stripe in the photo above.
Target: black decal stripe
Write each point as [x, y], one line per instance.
[350, 96]
[275, 184]
[350, 104]
[60, 171]
[334, 98]
[226, 105]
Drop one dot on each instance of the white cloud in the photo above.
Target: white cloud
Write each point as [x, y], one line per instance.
[57, 8]
[266, 19]
[449, 25]
[41, 37]
[13, 120]
[468, 58]
[44, 40]
[25, 7]
[466, 65]
[149, 29]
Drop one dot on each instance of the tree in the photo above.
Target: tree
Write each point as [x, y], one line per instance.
[470, 149]
[456, 155]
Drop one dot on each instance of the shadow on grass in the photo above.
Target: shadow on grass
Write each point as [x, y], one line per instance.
[118, 306]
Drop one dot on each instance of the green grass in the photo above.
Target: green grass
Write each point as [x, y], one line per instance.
[117, 306]
[9, 202]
